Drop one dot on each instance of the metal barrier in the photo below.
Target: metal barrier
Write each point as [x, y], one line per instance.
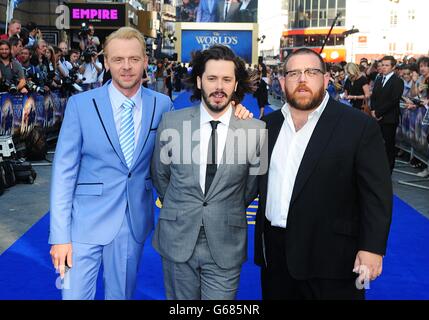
[412, 137]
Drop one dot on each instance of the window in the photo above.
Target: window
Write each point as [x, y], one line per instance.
[393, 18]
[332, 4]
[411, 14]
[315, 4]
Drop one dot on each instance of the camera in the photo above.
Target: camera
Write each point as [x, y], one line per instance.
[10, 86]
[88, 54]
[69, 83]
[34, 87]
[84, 31]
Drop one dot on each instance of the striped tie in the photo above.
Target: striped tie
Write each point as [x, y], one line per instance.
[126, 137]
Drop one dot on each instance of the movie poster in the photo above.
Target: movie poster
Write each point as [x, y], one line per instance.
[49, 110]
[234, 11]
[6, 115]
[40, 111]
[28, 120]
[240, 41]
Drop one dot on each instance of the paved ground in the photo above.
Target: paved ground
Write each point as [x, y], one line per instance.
[23, 205]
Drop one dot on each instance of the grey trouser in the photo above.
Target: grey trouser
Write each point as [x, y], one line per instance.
[200, 278]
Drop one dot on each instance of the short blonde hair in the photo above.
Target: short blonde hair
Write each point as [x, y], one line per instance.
[127, 33]
[352, 69]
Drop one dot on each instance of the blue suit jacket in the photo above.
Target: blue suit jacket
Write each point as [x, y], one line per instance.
[91, 183]
[205, 13]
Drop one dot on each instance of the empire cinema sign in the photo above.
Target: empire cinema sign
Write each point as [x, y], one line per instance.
[98, 14]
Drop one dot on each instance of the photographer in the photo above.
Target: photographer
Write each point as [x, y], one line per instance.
[64, 65]
[32, 73]
[13, 79]
[90, 69]
[14, 28]
[72, 82]
[16, 46]
[87, 38]
[34, 33]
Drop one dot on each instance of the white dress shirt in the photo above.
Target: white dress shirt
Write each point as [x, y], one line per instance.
[117, 99]
[386, 78]
[285, 162]
[244, 4]
[205, 134]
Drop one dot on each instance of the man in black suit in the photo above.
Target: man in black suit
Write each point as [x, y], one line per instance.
[228, 11]
[325, 204]
[385, 100]
[248, 11]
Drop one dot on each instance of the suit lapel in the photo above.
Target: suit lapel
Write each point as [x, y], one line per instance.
[318, 141]
[105, 112]
[148, 112]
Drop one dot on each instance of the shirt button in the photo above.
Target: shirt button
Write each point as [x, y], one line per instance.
[129, 175]
[205, 204]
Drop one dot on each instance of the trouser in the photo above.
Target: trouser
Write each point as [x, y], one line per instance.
[200, 278]
[120, 260]
[278, 284]
[388, 132]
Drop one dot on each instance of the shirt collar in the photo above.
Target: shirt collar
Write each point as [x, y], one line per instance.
[317, 112]
[117, 98]
[206, 117]
[387, 76]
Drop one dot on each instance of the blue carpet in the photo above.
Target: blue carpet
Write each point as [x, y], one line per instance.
[26, 271]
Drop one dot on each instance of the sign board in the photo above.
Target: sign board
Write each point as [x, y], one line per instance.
[98, 14]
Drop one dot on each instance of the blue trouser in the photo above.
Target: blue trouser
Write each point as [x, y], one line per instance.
[120, 260]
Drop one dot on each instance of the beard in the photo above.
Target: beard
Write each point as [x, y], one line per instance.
[305, 103]
[217, 108]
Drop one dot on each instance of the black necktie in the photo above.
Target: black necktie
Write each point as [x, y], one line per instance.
[211, 156]
[226, 9]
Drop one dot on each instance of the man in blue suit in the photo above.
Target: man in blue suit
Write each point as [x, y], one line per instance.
[207, 11]
[101, 194]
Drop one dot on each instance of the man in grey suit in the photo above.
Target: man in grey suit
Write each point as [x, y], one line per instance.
[229, 11]
[205, 168]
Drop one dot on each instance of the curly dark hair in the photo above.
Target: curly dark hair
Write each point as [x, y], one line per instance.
[246, 83]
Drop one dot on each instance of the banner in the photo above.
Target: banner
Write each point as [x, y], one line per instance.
[239, 41]
[20, 113]
[217, 11]
[412, 134]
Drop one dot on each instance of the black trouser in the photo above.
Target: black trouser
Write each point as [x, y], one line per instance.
[388, 132]
[278, 284]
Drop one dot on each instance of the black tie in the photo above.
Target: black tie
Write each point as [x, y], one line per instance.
[211, 156]
[226, 9]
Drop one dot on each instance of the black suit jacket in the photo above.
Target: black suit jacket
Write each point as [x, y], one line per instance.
[342, 197]
[385, 100]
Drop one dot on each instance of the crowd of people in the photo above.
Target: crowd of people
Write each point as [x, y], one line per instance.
[31, 64]
[353, 84]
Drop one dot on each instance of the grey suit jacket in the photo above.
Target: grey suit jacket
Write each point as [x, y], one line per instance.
[222, 211]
